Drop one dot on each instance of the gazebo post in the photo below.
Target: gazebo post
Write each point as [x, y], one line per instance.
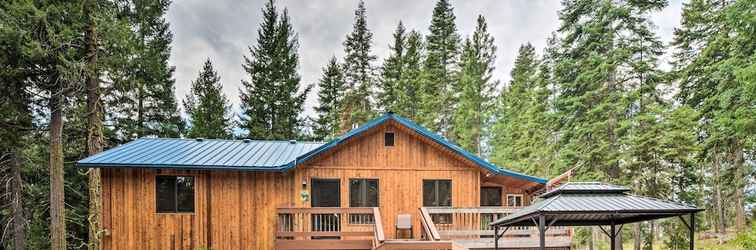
[692, 230]
[542, 231]
[496, 237]
[613, 236]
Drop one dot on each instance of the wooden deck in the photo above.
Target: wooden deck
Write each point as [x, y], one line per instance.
[362, 228]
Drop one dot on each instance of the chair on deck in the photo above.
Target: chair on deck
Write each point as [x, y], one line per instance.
[404, 222]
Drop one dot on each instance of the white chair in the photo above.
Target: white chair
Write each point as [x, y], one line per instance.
[404, 222]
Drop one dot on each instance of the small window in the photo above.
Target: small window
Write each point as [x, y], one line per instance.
[388, 139]
[514, 200]
[175, 194]
[490, 196]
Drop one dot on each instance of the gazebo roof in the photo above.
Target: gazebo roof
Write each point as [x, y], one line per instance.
[592, 203]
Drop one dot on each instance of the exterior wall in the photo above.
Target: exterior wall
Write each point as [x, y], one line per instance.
[237, 210]
[233, 210]
[400, 171]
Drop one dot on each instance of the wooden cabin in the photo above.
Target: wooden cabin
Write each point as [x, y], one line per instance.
[389, 184]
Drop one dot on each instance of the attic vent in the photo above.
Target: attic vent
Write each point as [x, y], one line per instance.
[246, 140]
[199, 139]
[355, 125]
[292, 141]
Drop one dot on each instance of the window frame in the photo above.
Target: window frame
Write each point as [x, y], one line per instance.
[435, 191]
[175, 194]
[522, 199]
[365, 186]
[501, 191]
[386, 138]
[326, 179]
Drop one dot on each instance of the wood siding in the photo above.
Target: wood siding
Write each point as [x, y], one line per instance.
[237, 210]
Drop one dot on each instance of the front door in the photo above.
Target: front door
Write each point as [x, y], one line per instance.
[326, 193]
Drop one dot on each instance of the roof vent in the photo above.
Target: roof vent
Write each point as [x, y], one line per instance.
[246, 140]
[199, 139]
[292, 141]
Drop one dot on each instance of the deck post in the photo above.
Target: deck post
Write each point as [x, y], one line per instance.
[542, 231]
[692, 230]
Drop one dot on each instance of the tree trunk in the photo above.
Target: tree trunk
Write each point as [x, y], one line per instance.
[718, 195]
[637, 236]
[19, 222]
[57, 202]
[740, 220]
[94, 132]
[594, 238]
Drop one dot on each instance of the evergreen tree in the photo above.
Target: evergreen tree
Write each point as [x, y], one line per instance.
[510, 141]
[713, 64]
[476, 88]
[271, 100]
[207, 107]
[331, 87]
[359, 72]
[392, 70]
[142, 98]
[441, 62]
[407, 89]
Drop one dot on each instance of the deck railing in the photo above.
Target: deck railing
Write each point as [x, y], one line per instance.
[473, 223]
[329, 223]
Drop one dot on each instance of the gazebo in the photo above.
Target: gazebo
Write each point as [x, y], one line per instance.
[593, 204]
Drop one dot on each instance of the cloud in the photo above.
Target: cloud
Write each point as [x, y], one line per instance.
[222, 30]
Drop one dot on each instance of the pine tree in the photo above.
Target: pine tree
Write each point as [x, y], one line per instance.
[441, 62]
[207, 107]
[510, 136]
[270, 101]
[359, 72]
[407, 89]
[476, 88]
[392, 70]
[331, 87]
[142, 97]
[714, 54]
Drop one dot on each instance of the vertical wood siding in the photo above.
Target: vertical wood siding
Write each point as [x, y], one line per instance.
[237, 210]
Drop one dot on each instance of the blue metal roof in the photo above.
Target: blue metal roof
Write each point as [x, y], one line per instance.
[201, 154]
[256, 155]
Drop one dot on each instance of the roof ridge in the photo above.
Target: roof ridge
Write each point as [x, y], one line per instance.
[219, 139]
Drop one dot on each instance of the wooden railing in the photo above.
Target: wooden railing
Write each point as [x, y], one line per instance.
[349, 226]
[430, 232]
[473, 223]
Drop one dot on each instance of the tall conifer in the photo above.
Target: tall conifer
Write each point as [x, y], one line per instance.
[271, 99]
[359, 72]
[392, 70]
[207, 107]
[441, 67]
[476, 88]
[330, 96]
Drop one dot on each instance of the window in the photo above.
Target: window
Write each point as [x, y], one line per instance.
[490, 196]
[388, 139]
[514, 200]
[325, 193]
[175, 194]
[437, 193]
[363, 193]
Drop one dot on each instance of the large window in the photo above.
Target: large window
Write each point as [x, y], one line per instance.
[175, 194]
[325, 193]
[490, 196]
[437, 193]
[363, 193]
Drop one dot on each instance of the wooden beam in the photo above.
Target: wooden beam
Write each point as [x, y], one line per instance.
[323, 244]
[378, 225]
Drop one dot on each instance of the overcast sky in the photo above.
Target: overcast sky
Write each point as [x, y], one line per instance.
[222, 30]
